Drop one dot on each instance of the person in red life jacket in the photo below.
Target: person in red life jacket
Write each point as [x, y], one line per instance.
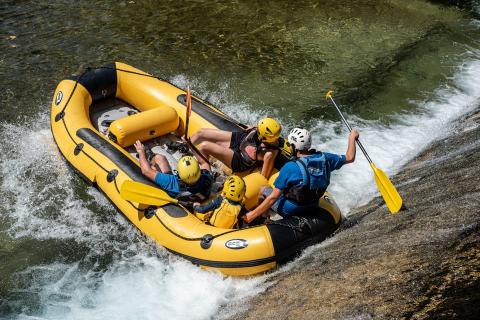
[241, 151]
[301, 183]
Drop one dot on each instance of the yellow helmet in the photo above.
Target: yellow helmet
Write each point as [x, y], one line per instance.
[269, 130]
[188, 169]
[234, 188]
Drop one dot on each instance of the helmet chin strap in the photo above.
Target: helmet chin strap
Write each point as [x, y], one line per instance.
[295, 151]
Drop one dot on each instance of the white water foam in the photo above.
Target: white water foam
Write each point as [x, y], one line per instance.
[392, 147]
[41, 201]
[135, 288]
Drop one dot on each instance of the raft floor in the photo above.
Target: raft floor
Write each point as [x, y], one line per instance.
[107, 111]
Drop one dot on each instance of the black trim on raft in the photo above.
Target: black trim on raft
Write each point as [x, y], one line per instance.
[225, 264]
[70, 165]
[115, 155]
[174, 211]
[101, 83]
[124, 163]
[219, 120]
[291, 235]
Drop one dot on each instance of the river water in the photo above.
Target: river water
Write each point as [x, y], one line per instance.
[403, 71]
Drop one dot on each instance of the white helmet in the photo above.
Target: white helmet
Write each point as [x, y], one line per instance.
[300, 138]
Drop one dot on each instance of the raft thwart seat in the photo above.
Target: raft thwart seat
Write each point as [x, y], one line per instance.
[144, 126]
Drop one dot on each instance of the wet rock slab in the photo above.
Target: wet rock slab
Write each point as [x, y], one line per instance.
[422, 263]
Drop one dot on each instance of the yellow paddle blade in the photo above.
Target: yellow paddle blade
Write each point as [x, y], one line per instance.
[145, 194]
[387, 190]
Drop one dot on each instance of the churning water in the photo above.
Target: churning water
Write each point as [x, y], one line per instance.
[65, 253]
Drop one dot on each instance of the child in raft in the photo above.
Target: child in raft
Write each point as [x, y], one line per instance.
[223, 211]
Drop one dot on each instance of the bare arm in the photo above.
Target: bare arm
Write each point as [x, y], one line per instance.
[264, 206]
[268, 162]
[352, 147]
[147, 170]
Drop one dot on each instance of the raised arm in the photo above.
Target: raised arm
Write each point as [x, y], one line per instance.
[147, 170]
[352, 146]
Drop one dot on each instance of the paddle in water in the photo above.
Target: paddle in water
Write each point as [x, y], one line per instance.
[385, 186]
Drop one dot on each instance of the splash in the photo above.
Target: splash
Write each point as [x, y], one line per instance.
[117, 272]
[139, 287]
[392, 147]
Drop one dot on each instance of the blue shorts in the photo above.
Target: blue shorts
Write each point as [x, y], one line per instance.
[286, 207]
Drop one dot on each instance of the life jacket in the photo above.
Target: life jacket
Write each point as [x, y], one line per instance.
[250, 146]
[316, 178]
[198, 192]
[225, 216]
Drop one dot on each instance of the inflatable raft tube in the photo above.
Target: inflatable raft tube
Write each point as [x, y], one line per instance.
[94, 120]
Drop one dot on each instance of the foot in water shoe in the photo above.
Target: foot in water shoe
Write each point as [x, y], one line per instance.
[181, 147]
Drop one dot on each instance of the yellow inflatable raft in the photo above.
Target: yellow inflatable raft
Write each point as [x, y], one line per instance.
[95, 119]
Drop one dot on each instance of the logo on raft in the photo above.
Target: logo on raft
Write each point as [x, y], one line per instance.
[58, 98]
[236, 244]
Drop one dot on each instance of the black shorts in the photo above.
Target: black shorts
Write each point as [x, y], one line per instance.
[237, 137]
[238, 164]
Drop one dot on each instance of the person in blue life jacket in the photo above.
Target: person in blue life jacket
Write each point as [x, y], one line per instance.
[223, 211]
[301, 183]
[193, 181]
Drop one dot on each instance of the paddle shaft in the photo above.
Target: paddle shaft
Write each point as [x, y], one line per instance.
[194, 148]
[188, 102]
[350, 128]
[186, 127]
[188, 110]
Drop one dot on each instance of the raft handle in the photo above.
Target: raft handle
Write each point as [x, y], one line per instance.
[149, 212]
[59, 116]
[206, 241]
[77, 149]
[111, 175]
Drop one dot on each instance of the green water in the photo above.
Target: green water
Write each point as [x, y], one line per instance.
[270, 54]
[269, 57]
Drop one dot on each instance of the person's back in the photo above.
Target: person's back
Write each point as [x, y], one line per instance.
[306, 179]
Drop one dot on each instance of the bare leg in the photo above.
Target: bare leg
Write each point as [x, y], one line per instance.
[219, 137]
[221, 153]
[161, 163]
